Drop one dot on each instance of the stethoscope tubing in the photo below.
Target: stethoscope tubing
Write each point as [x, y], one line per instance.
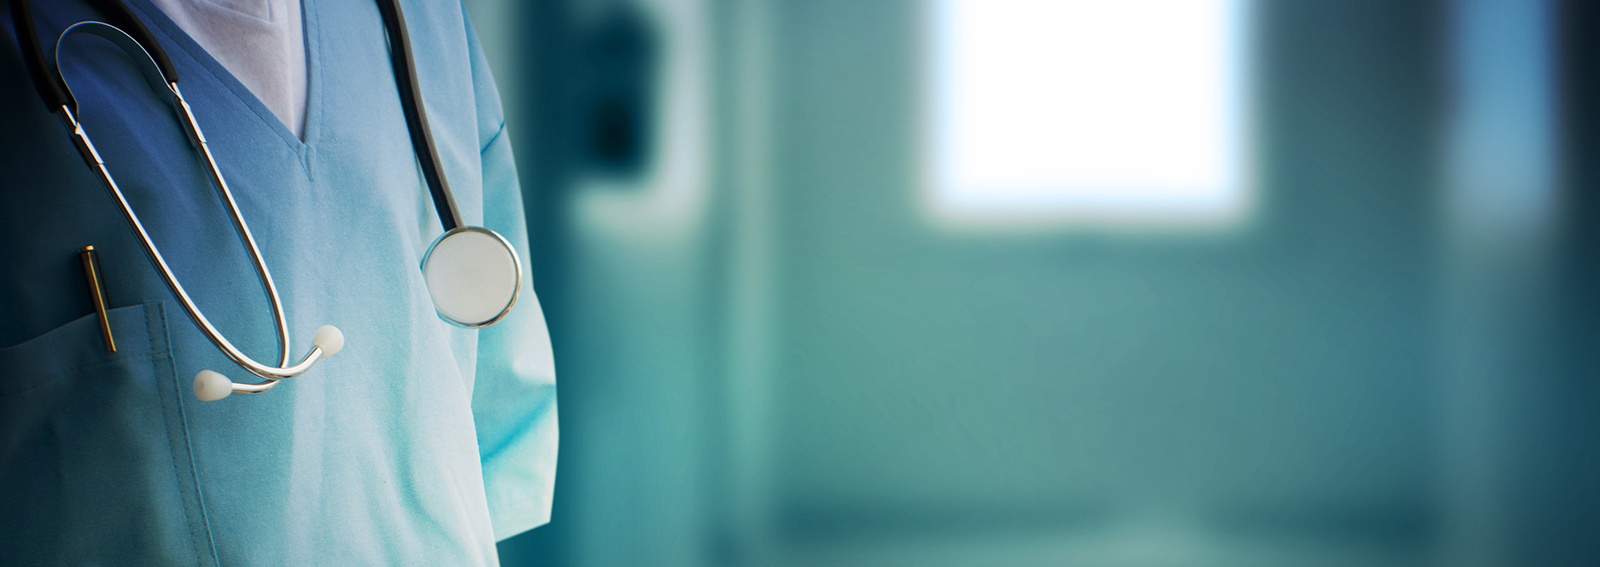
[405, 74]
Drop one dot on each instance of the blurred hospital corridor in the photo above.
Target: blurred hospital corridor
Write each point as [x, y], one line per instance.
[1063, 282]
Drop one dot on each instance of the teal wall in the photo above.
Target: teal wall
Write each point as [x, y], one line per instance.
[1269, 377]
[769, 353]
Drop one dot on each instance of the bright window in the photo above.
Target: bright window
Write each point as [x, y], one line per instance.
[1088, 111]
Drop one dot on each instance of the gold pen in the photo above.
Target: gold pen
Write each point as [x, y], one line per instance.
[91, 270]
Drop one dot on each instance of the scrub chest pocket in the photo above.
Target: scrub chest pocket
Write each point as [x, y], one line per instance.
[94, 458]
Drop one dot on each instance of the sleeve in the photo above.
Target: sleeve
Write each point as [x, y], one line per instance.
[514, 391]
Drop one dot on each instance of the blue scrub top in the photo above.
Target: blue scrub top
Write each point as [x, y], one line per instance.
[419, 443]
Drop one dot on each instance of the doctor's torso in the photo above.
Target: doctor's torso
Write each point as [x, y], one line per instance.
[371, 456]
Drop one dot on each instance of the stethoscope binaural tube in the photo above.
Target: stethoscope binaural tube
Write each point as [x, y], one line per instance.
[328, 339]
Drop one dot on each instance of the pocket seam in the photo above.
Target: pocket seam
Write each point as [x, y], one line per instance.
[200, 533]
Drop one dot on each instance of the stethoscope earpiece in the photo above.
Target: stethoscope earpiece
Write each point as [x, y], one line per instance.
[328, 338]
[210, 385]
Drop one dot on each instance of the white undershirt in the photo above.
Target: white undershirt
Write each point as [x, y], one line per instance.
[260, 42]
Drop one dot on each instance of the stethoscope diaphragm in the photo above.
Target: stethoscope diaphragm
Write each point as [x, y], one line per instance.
[473, 275]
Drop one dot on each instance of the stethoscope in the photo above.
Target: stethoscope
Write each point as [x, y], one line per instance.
[472, 273]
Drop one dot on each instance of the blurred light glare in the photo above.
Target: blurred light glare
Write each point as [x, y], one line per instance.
[1086, 110]
[1502, 136]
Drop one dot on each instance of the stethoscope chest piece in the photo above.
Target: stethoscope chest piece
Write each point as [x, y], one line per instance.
[473, 275]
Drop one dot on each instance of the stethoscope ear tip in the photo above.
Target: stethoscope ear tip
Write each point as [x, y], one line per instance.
[211, 386]
[328, 338]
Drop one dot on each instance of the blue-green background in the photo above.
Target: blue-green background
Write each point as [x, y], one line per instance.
[768, 354]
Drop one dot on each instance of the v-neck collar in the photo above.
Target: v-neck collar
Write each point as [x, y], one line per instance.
[173, 35]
